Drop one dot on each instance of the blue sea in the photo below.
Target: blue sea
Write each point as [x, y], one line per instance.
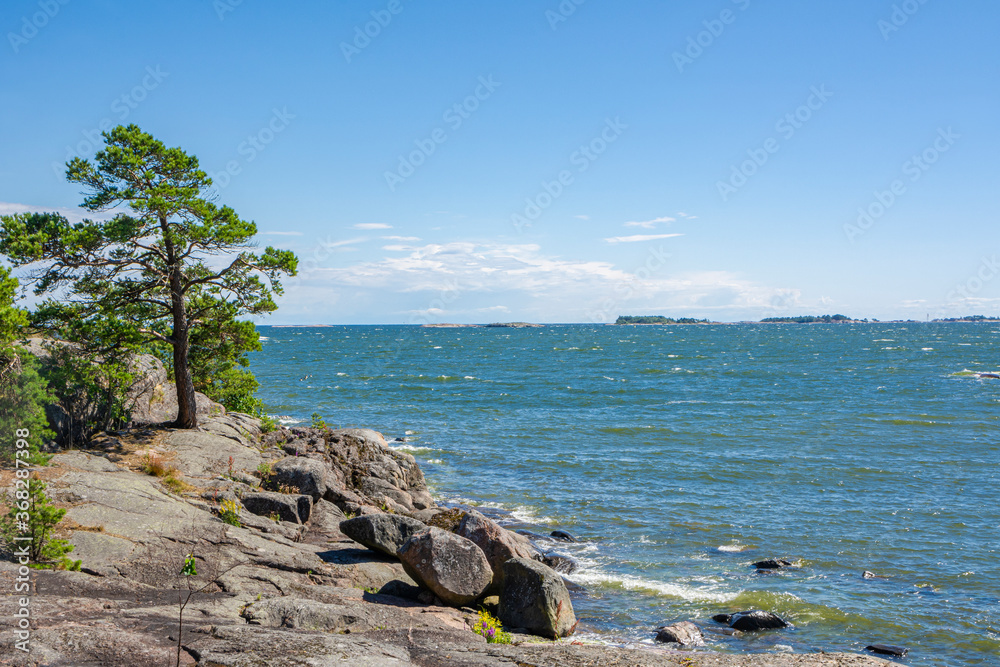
[680, 455]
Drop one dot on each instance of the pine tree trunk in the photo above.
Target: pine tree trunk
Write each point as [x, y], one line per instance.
[187, 407]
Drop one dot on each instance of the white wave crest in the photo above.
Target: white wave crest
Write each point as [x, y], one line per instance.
[632, 583]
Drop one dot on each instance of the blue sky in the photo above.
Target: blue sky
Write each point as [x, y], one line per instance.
[547, 161]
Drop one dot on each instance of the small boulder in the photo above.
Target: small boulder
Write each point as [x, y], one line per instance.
[752, 621]
[288, 508]
[772, 564]
[535, 597]
[384, 533]
[867, 575]
[305, 474]
[685, 632]
[888, 649]
[498, 543]
[563, 536]
[451, 566]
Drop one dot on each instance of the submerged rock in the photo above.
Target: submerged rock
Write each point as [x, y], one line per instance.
[755, 620]
[772, 564]
[563, 536]
[888, 649]
[451, 566]
[385, 533]
[685, 633]
[535, 597]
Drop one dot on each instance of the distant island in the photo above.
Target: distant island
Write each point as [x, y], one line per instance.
[515, 325]
[810, 319]
[969, 318]
[657, 319]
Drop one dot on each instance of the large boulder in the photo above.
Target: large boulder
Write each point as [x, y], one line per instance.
[498, 543]
[288, 507]
[385, 533]
[452, 567]
[306, 475]
[535, 598]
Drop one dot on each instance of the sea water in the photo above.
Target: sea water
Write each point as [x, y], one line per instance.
[680, 455]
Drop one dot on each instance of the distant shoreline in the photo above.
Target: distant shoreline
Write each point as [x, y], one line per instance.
[450, 325]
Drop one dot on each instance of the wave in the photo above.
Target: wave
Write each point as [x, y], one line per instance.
[601, 579]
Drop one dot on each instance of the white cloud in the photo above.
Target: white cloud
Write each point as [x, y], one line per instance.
[582, 217]
[71, 214]
[462, 281]
[401, 238]
[650, 224]
[371, 225]
[639, 238]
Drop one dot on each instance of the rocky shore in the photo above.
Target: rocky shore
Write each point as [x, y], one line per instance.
[311, 547]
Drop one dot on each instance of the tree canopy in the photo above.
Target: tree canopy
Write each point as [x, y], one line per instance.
[170, 268]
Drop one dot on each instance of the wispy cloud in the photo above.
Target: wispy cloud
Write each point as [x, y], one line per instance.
[71, 214]
[371, 225]
[650, 224]
[402, 238]
[582, 217]
[638, 238]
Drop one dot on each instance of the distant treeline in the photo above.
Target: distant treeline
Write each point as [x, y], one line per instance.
[808, 319]
[657, 319]
[969, 318]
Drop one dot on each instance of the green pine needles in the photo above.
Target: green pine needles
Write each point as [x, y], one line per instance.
[27, 527]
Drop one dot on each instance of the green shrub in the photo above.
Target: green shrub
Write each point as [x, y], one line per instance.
[318, 421]
[23, 397]
[32, 515]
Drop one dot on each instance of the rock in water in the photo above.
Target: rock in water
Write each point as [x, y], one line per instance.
[560, 563]
[534, 597]
[498, 543]
[722, 618]
[451, 566]
[385, 533]
[772, 564]
[888, 649]
[685, 632]
[288, 507]
[754, 620]
[868, 574]
[562, 535]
